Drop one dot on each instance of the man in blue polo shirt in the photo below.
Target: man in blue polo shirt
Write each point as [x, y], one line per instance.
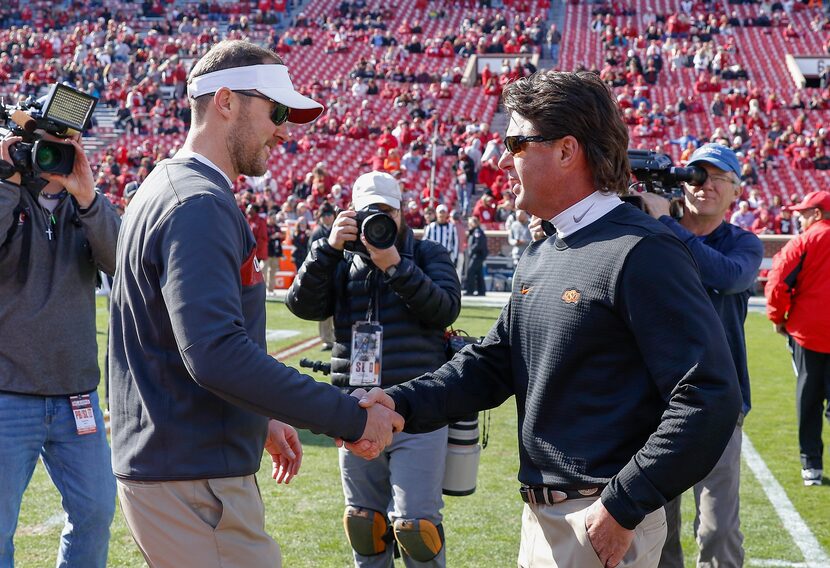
[728, 258]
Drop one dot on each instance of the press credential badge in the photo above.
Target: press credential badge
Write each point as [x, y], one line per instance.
[84, 417]
[367, 340]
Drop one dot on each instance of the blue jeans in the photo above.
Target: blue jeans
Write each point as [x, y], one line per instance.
[79, 466]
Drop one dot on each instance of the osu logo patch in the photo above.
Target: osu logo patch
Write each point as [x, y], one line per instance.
[571, 296]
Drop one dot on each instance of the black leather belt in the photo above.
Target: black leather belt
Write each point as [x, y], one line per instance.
[545, 495]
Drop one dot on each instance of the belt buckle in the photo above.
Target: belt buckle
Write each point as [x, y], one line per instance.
[554, 496]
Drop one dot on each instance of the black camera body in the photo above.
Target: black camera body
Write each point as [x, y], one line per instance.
[64, 112]
[378, 227]
[656, 173]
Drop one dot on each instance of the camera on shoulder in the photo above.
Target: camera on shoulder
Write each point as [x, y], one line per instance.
[64, 112]
[380, 230]
[656, 173]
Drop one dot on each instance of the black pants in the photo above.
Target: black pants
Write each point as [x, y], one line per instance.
[475, 276]
[811, 397]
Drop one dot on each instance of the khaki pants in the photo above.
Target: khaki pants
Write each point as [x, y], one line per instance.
[554, 536]
[209, 523]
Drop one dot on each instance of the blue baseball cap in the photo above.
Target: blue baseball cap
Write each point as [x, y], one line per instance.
[719, 156]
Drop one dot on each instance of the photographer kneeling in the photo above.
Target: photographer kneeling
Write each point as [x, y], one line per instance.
[391, 304]
[56, 232]
[728, 258]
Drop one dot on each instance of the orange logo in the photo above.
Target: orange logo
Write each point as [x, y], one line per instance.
[571, 296]
[526, 289]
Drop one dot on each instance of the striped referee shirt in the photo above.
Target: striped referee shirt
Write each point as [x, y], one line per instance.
[446, 235]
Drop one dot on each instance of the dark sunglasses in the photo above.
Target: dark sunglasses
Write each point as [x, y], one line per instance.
[516, 144]
[280, 113]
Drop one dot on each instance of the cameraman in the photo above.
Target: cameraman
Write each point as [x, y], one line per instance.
[412, 292]
[53, 240]
[728, 258]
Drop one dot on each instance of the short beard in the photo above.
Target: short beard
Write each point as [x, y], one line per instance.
[245, 161]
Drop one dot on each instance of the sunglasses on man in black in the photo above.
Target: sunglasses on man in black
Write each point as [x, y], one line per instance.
[516, 144]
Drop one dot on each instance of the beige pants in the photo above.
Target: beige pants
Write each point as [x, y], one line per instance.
[209, 523]
[554, 536]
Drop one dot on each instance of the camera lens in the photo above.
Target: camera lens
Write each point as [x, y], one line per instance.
[53, 157]
[47, 157]
[380, 230]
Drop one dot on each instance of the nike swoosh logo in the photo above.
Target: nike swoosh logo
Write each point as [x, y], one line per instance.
[526, 290]
[579, 219]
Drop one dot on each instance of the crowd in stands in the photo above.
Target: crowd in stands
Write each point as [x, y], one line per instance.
[136, 57]
[773, 127]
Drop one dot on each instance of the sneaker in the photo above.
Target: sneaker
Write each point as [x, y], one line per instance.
[326, 347]
[811, 476]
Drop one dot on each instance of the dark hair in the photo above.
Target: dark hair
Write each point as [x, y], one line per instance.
[578, 104]
[228, 54]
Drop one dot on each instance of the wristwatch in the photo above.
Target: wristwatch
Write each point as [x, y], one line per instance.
[391, 271]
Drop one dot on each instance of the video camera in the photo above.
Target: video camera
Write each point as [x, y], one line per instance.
[64, 112]
[657, 174]
[380, 230]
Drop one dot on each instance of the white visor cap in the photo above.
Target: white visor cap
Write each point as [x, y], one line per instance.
[271, 80]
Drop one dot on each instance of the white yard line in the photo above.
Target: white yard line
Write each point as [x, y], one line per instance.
[45, 527]
[777, 563]
[296, 349]
[810, 548]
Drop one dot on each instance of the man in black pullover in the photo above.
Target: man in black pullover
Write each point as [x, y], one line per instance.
[625, 389]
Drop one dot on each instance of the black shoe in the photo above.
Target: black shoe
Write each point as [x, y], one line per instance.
[326, 347]
[469, 294]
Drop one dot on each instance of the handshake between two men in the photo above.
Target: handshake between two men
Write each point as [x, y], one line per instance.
[381, 423]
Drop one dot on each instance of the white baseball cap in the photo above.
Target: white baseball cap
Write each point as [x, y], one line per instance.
[271, 80]
[376, 187]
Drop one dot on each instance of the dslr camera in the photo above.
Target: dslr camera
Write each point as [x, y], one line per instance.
[63, 112]
[657, 174]
[378, 227]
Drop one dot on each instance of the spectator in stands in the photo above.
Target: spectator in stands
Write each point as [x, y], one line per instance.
[413, 216]
[764, 223]
[797, 289]
[476, 255]
[743, 217]
[443, 232]
[729, 258]
[784, 222]
[465, 180]
[259, 228]
[519, 235]
[485, 209]
[272, 264]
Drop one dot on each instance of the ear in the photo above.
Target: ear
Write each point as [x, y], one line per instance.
[223, 102]
[570, 151]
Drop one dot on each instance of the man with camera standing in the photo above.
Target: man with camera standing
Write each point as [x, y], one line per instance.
[728, 258]
[195, 397]
[391, 304]
[56, 232]
[620, 408]
[797, 292]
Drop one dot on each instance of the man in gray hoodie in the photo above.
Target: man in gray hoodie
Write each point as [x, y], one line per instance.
[55, 234]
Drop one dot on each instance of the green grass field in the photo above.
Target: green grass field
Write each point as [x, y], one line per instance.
[482, 529]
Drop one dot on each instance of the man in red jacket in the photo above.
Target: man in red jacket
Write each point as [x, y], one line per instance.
[797, 292]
